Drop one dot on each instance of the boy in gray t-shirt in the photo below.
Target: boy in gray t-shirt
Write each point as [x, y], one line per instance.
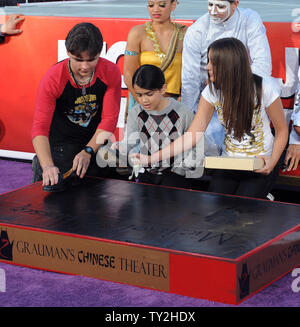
[152, 124]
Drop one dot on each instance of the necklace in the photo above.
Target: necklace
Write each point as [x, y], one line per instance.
[153, 37]
[81, 85]
[83, 111]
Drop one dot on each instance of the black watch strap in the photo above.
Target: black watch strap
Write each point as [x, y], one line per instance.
[89, 150]
[2, 37]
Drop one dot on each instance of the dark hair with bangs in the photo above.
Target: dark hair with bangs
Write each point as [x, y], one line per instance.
[84, 37]
[239, 89]
[149, 77]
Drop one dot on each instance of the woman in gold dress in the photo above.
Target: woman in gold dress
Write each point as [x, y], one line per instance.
[158, 42]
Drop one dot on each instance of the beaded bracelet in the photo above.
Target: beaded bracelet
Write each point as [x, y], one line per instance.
[131, 53]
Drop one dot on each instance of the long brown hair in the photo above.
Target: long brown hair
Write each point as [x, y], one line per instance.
[239, 89]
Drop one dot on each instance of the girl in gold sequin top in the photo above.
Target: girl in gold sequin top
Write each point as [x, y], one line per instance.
[245, 104]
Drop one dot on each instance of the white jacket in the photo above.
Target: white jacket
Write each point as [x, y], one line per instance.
[245, 25]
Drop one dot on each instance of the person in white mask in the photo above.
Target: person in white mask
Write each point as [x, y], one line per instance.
[224, 19]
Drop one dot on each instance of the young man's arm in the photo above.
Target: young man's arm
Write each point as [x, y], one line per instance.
[82, 160]
[44, 109]
[42, 149]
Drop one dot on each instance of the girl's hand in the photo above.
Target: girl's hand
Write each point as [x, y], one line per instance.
[268, 167]
[139, 159]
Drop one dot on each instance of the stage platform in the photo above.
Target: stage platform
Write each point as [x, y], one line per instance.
[198, 244]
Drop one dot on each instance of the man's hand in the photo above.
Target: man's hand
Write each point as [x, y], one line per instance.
[292, 157]
[81, 163]
[10, 26]
[50, 175]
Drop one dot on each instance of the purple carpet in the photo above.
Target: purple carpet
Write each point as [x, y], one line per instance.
[35, 288]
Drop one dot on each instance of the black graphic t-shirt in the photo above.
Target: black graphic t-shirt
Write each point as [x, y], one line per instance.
[66, 114]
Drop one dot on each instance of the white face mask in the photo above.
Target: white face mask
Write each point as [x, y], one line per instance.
[216, 7]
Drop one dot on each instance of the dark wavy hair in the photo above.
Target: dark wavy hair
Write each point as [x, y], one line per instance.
[149, 77]
[238, 88]
[84, 37]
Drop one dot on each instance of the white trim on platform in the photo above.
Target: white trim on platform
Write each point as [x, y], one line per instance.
[16, 154]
